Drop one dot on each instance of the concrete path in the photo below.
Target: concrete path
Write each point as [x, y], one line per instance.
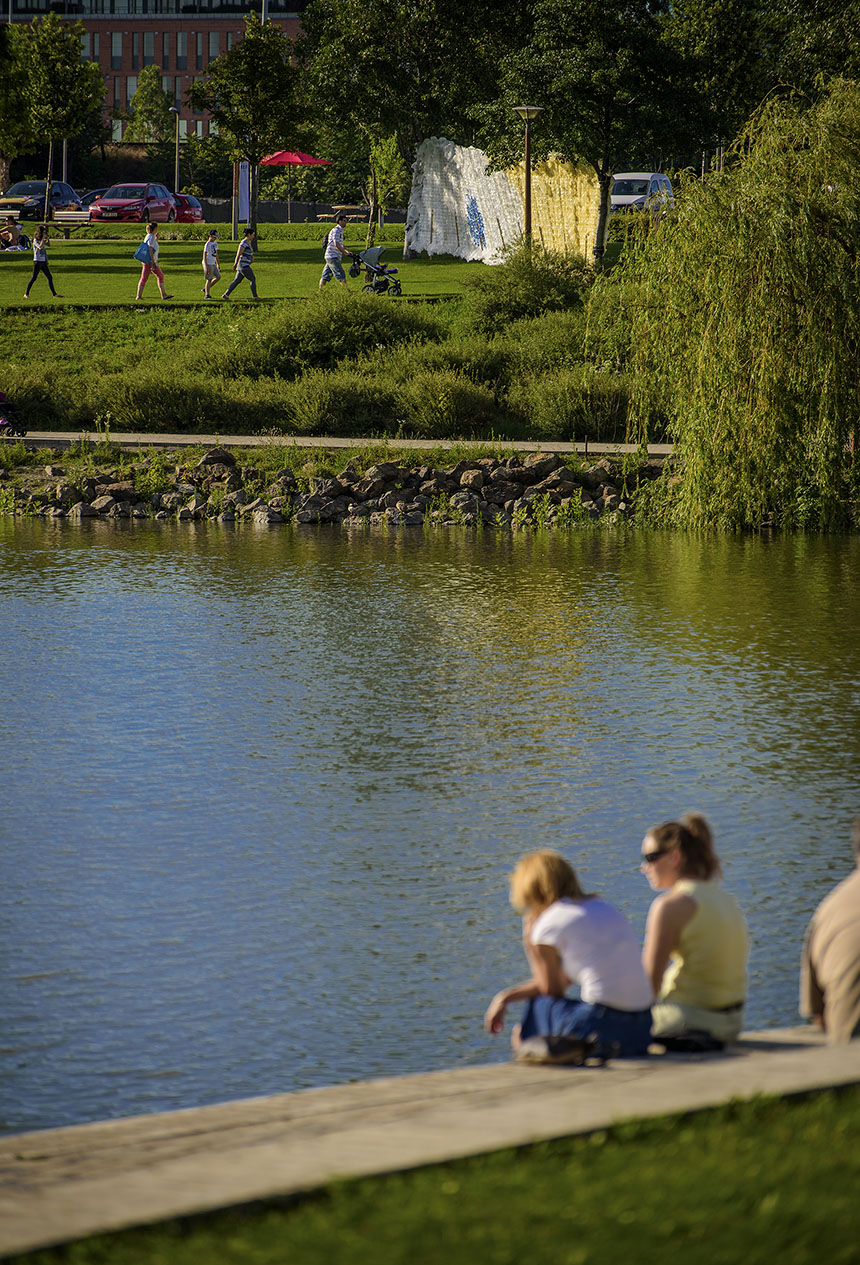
[60, 1184]
[62, 440]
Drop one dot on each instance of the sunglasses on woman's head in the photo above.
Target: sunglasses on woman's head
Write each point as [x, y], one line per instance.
[648, 858]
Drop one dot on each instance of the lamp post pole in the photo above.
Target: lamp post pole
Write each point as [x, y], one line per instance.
[527, 113]
[175, 113]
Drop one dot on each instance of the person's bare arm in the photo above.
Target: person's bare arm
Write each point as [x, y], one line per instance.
[666, 920]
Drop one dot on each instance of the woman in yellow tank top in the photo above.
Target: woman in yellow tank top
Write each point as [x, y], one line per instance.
[695, 950]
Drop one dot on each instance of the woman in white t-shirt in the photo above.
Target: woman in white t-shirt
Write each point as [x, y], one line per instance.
[211, 269]
[573, 938]
[151, 266]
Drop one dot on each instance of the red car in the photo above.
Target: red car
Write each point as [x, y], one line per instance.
[188, 209]
[142, 202]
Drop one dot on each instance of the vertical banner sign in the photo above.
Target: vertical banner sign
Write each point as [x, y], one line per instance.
[244, 192]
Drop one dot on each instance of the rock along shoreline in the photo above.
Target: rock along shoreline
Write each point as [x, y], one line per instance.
[538, 491]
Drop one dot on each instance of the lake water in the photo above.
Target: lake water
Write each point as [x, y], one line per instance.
[261, 788]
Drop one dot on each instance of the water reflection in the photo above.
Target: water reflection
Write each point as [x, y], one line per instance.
[263, 786]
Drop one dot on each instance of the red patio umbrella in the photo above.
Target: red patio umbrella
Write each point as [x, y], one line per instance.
[292, 158]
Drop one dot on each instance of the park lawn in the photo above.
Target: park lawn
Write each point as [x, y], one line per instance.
[103, 272]
[760, 1182]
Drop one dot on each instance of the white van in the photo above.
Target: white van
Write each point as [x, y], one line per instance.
[634, 190]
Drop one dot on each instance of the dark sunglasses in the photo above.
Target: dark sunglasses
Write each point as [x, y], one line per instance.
[648, 858]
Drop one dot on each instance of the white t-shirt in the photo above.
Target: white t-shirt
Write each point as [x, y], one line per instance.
[210, 253]
[598, 950]
[335, 239]
[152, 242]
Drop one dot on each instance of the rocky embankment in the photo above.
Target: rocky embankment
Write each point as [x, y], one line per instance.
[539, 490]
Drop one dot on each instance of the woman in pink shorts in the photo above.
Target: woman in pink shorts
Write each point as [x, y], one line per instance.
[151, 241]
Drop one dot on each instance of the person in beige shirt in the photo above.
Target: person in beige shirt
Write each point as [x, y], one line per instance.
[830, 967]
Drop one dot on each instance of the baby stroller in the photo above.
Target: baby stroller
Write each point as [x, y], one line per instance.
[378, 276]
[9, 425]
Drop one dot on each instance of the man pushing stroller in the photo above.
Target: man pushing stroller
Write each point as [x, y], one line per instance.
[334, 250]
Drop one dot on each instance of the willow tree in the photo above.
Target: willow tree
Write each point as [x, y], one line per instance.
[744, 323]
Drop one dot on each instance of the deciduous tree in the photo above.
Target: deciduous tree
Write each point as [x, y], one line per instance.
[61, 91]
[16, 134]
[150, 120]
[252, 94]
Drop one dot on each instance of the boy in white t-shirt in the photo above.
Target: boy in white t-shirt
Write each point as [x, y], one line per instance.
[211, 271]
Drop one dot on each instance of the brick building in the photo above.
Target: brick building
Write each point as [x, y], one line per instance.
[181, 37]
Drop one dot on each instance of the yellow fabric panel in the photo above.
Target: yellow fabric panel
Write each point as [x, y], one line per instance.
[565, 203]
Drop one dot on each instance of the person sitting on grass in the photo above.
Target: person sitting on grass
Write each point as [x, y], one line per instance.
[10, 235]
[572, 937]
[695, 951]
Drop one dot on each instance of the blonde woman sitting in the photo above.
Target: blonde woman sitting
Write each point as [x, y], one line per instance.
[571, 937]
[695, 950]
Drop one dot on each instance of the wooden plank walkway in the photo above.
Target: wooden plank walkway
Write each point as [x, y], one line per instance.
[61, 1184]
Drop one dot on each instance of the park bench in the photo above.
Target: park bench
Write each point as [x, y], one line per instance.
[69, 220]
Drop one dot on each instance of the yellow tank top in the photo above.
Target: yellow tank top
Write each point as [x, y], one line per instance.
[708, 967]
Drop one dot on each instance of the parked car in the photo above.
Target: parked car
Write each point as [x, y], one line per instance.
[140, 202]
[634, 190]
[87, 199]
[188, 209]
[27, 197]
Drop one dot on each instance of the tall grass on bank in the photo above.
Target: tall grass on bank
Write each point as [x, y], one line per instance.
[743, 318]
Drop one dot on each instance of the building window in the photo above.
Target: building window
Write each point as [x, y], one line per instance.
[230, 39]
[165, 52]
[182, 51]
[116, 50]
[117, 101]
[130, 88]
[177, 92]
[148, 48]
[214, 45]
[96, 46]
[135, 51]
[85, 47]
[199, 59]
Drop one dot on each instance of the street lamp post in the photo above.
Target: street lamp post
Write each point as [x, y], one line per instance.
[527, 113]
[175, 113]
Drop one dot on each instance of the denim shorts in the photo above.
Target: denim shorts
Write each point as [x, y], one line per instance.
[622, 1032]
[333, 269]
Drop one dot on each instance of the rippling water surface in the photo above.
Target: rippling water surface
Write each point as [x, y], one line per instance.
[261, 789]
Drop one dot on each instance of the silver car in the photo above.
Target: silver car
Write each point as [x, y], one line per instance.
[634, 190]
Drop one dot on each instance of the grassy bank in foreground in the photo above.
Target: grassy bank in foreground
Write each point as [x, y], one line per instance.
[761, 1182]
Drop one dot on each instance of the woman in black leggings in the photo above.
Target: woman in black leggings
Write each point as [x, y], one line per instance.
[40, 261]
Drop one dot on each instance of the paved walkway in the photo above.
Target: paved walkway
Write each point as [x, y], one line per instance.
[60, 1184]
[62, 440]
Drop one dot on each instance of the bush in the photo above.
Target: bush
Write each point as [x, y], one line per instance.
[319, 334]
[528, 282]
[444, 404]
[340, 402]
[574, 404]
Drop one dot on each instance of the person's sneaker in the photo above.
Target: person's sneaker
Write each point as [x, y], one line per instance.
[168, 296]
[558, 1051]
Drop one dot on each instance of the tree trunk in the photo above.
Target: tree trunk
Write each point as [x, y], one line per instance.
[5, 171]
[371, 218]
[604, 180]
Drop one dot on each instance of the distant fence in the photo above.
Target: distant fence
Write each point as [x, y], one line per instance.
[218, 210]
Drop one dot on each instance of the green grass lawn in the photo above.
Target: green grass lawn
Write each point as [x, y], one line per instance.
[769, 1182]
[87, 270]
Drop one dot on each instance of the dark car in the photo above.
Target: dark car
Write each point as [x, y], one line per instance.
[188, 209]
[27, 197]
[88, 198]
[141, 202]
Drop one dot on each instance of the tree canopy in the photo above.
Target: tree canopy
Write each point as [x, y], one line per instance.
[151, 120]
[252, 93]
